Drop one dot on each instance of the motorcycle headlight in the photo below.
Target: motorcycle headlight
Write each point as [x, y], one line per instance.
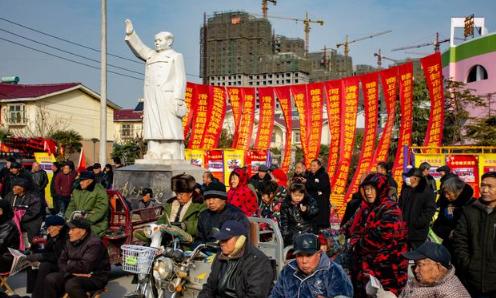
[164, 267]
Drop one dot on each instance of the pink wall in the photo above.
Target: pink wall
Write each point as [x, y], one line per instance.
[459, 72]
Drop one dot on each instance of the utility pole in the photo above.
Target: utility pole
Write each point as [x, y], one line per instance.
[103, 84]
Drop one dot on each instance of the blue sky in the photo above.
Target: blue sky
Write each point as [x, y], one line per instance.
[412, 22]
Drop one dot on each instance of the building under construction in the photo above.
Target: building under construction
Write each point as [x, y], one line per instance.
[239, 49]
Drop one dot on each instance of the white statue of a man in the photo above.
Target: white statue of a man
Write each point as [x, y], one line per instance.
[165, 83]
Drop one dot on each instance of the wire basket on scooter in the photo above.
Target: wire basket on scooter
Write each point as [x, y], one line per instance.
[137, 259]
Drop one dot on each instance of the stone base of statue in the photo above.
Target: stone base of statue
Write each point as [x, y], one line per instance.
[152, 173]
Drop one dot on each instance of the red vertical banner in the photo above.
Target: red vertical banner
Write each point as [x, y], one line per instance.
[406, 123]
[191, 100]
[243, 138]
[283, 96]
[314, 118]
[200, 118]
[334, 117]
[266, 118]
[370, 87]
[389, 78]
[299, 93]
[234, 97]
[434, 79]
[217, 110]
[349, 110]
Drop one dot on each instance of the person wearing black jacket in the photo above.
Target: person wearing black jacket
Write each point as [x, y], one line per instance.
[217, 212]
[297, 212]
[240, 269]
[47, 258]
[319, 187]
[457, 194]
[418, 206]
[258, 180]
[84, 264]
[474, 241]
[20, 197]
[9, 235]
[431, 182]
[16, 171]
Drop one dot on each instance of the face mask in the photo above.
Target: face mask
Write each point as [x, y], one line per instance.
[407, 181]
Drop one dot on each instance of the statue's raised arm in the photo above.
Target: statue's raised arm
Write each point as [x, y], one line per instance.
[139, 49]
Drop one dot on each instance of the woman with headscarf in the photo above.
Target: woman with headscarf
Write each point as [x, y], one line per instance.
[378, 239]
[9, 235]
[240, 195]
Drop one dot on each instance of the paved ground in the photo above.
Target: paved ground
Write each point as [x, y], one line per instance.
[118, 286]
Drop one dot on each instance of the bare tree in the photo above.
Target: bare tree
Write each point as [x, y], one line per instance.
[45, 123]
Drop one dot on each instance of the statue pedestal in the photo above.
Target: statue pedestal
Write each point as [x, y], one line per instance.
[154, 174]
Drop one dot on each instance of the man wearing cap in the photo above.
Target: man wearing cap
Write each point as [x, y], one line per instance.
[312, 274]
[90, 198]
[434, 274]
[47, 258]
[474, 241]
[22, 198]
[84, 264]
[418, 206]
[147, 199]
[99, 177]
[259, 178]
[217, 212]
[425, 167]
[16, 171]
[240, 269]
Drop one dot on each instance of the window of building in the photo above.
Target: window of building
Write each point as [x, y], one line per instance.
[296, 136]
[477, 73]
[16, 114]
[126, 131]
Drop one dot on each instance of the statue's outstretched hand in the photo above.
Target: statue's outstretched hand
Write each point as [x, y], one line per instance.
[129, 27]
[181, 109]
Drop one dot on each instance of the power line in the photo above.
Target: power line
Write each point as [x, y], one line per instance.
[68, 52]
[79, 45]
[66, 40]
[66, 59]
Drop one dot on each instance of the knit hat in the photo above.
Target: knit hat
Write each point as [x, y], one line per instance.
[54, 220]
[215, 190]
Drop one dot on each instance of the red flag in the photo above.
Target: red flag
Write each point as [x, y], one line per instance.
[200, 119]
[434, 79]
[82, 161]
[283, 96]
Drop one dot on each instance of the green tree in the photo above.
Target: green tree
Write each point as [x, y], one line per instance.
[129, 151]
[421, 110]
[68, 141]
[483, 131]
[458, 98]
[226, 139]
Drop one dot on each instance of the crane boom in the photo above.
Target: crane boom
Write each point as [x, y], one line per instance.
[412, 47]
[370, 36]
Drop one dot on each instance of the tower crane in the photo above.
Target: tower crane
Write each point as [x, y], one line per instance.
[436, 43]
[265, 6]
[346, 43]
[306, 26]
[381, 57]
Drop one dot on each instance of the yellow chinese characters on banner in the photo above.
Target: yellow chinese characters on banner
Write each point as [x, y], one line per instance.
[243, 139]
[216, 119]
[266, 118]
[200, 119]
[314, 119]
[333, 112]
[406, 122]
[370, 90]
[299, 97]
[233, 158]
[188, 100]
[46, 160]
[195, 156]
[348, 123]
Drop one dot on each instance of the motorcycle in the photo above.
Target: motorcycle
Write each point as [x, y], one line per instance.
[172, 272]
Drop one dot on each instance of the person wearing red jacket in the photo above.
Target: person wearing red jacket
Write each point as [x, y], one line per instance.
[240, 195]
[63, 188]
